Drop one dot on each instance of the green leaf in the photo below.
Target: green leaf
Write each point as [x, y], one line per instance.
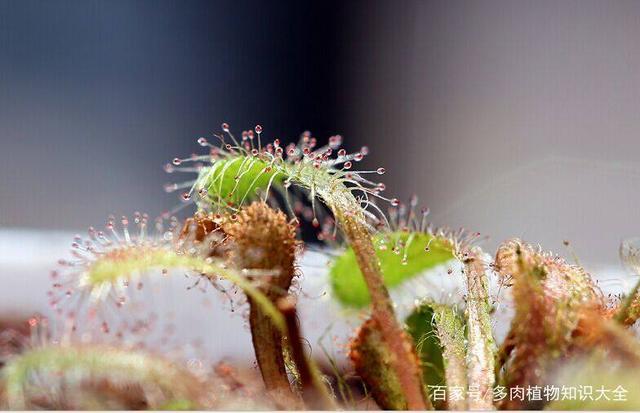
[235, 180]
[397, 264]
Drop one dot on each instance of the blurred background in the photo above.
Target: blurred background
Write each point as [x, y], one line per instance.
[512, 118]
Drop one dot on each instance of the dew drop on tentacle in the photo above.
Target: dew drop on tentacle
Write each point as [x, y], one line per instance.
[395, 202]
[381, 171]
[176, 161]
[202, 141]
[225, 127]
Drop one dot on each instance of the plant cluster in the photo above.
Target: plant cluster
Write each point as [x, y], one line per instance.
[251, 198]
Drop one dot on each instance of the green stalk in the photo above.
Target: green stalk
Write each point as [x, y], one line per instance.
[349, 215]
[403, 359]
[450, 331]
[482, 347]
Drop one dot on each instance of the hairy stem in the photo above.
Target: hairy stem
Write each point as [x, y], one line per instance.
[267, 344]
[403, 358]
[314, 391]
[450, 331]
[482, 348]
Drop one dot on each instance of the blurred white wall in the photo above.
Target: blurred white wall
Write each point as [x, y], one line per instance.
[512, 118]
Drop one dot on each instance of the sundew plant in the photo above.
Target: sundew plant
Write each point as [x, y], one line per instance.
[237, 228]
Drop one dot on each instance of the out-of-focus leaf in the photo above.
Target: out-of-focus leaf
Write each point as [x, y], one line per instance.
[407, 260]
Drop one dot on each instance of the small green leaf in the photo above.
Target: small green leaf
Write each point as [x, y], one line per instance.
[409, 260]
